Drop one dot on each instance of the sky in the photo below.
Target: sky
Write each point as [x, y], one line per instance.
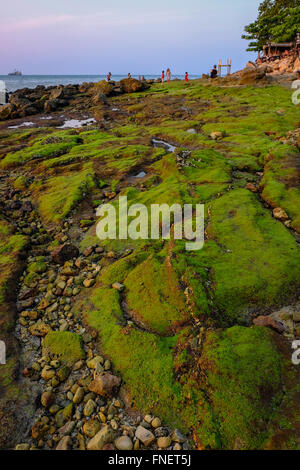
[63, 37]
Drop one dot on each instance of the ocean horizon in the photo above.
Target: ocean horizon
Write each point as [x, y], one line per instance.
[14, 83]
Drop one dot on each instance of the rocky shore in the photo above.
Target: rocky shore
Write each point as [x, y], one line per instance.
[139, 344]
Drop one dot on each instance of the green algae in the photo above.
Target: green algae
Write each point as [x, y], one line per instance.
[65, 346]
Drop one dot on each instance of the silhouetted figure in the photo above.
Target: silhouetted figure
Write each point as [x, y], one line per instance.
[214, 72]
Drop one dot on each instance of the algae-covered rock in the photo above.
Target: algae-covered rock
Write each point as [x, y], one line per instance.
[64, 345]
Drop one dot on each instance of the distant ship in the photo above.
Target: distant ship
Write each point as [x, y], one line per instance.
[16, 73]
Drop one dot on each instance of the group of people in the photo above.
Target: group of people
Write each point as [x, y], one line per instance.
[167, 75]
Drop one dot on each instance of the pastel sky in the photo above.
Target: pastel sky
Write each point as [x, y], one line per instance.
[140, 36]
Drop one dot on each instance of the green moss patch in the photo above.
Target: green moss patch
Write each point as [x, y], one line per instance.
[65, 346]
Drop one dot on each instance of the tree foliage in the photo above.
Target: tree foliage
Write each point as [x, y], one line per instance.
[277, 21]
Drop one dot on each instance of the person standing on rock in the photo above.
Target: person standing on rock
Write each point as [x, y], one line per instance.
[108, 77]
[186, 77]
[214, 72]
[163, 77]
[168, 75]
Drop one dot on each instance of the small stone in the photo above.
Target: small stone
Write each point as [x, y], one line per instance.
[89, 408]
[177, 436]
[78, 397]
[22, 447]
[164, 442]
[63, 373]
[47, 373]
[156, 423]
[67, 429]
[102, 417]
[92, 363]
[90, 428]
[269, 322]
[251, 187]
[148, 419]
[177, 446]
[145, 436]
[217, 135]
[124, 443]
[105, 384]
[280, 214]
[88, 283]
[118, 286]
[47, 399]
[103, 437]
[65, 443]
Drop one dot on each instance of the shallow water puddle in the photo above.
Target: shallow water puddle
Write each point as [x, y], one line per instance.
[161, 144]
[24, 124]
[142, 174]
[76, 123]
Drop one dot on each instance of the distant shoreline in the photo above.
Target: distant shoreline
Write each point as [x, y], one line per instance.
[14, 83]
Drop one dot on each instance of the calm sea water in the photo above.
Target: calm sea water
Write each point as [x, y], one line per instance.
[31, 81]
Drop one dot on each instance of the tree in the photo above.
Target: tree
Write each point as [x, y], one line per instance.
[278, 21]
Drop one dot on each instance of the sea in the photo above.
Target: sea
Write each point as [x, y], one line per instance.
[13, 83]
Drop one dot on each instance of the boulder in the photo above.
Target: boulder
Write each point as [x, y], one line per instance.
[64, 253]
[252, 76]
[57, 93]
[130, 85]
[104, 88]
[99, 99]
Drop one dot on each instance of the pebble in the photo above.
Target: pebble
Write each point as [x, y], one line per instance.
[123, 443]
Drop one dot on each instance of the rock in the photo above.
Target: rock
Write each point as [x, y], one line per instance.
[47, 373]
[39, 329]
[99, 99]
[78, 397]
[65, 443]
[251, 187]
[91, 428]
[67, 429]
[124, 443]
[296, 316]
[105, 88]
[89, 408]
[39, 429]
[88, 283]
[145, 436]
[252, 76]
[22, 447]
[64, 253]
[6, 111]
[57, 93]
[217, 135]
[156, 423]
[95, 362]
[191, 131]
[130, 85]
[269, 322]
[47, 399]
[164, 442]
[280, 214]
[103, 437]
[118, 286]
[63, 373]
[105, 384]
[177, 436]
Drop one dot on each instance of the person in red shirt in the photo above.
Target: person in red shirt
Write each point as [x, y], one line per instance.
[186, 78]
[163, 77]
